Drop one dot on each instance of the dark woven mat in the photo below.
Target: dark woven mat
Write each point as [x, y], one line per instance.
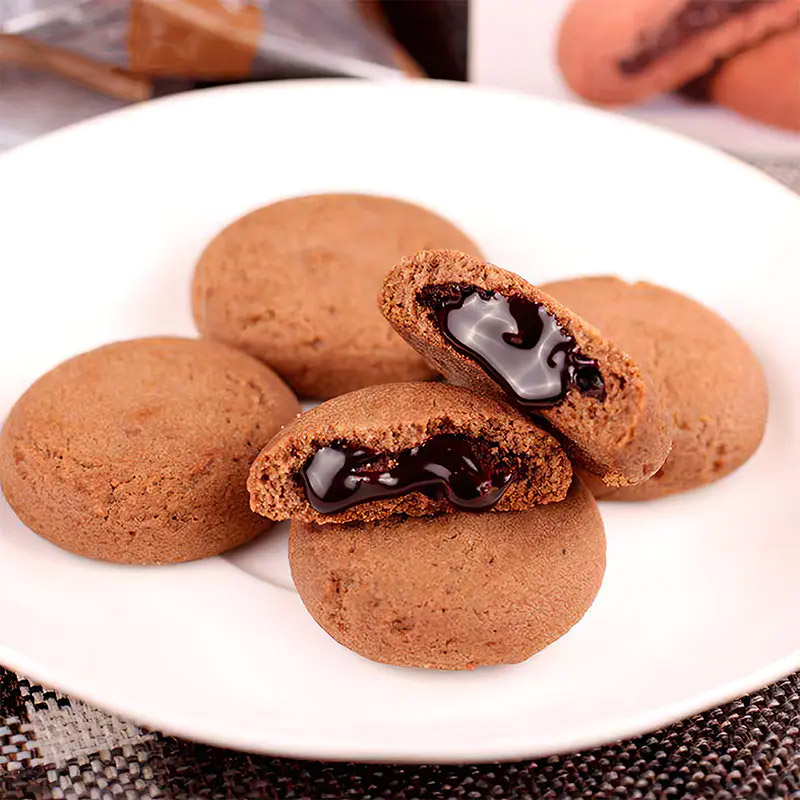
[53, 747]
[56, 748]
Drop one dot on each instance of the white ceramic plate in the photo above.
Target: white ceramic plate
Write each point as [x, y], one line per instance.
[99, 228]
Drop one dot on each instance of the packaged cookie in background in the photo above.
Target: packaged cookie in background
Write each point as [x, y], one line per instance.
[637, 54]
[135, 48]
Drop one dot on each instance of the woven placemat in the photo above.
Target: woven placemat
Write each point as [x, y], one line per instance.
[55, 747]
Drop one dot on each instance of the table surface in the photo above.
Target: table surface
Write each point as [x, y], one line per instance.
[53, 746]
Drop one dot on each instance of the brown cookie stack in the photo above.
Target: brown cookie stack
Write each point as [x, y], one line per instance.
[432, 467]
[433, 524]
[398, 547]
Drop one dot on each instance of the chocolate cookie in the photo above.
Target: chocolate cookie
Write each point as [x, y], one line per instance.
[406, 448]
[488, 329]
[763, 82]
[709, 377]
[621, 52]
[294, 285]
[138, 452]
[452, 591]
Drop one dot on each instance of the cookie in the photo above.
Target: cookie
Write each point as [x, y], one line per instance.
[138, 452]
[294, 285]
[453, 591]
[488, 329]
[616, 52]
[709, 377]
[406, 448]
[763, 82]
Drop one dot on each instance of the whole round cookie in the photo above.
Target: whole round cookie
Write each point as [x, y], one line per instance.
[294, 284]
[453, 591]
[138, 452]
[706, 372]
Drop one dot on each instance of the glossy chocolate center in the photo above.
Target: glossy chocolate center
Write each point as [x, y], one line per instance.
[518, 343]
[338, 476]
[695, 17]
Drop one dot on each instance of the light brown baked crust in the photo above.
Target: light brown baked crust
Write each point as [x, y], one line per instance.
[452, 591]
[138, 452]
[293, 284]
[764, 81]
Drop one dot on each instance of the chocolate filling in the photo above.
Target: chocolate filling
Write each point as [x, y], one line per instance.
[518, 342]
[449, 465]
[694, 18]
[698, 89]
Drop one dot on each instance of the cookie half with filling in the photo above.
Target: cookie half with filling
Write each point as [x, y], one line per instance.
[490, 330]
[407, 448]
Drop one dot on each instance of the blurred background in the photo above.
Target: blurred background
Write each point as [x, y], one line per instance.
[65, 60]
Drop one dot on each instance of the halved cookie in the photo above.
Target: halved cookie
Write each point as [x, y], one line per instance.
[407, 448]
[490, 330]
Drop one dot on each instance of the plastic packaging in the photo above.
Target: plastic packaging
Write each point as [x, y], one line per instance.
[126, 47]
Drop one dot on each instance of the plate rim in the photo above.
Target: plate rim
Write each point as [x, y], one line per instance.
[498, 749]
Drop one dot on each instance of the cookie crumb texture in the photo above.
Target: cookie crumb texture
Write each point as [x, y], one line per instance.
[393, 418]
[624, 437]
[453, 591]
[711, 380]
[138, 452]
[294, 285]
